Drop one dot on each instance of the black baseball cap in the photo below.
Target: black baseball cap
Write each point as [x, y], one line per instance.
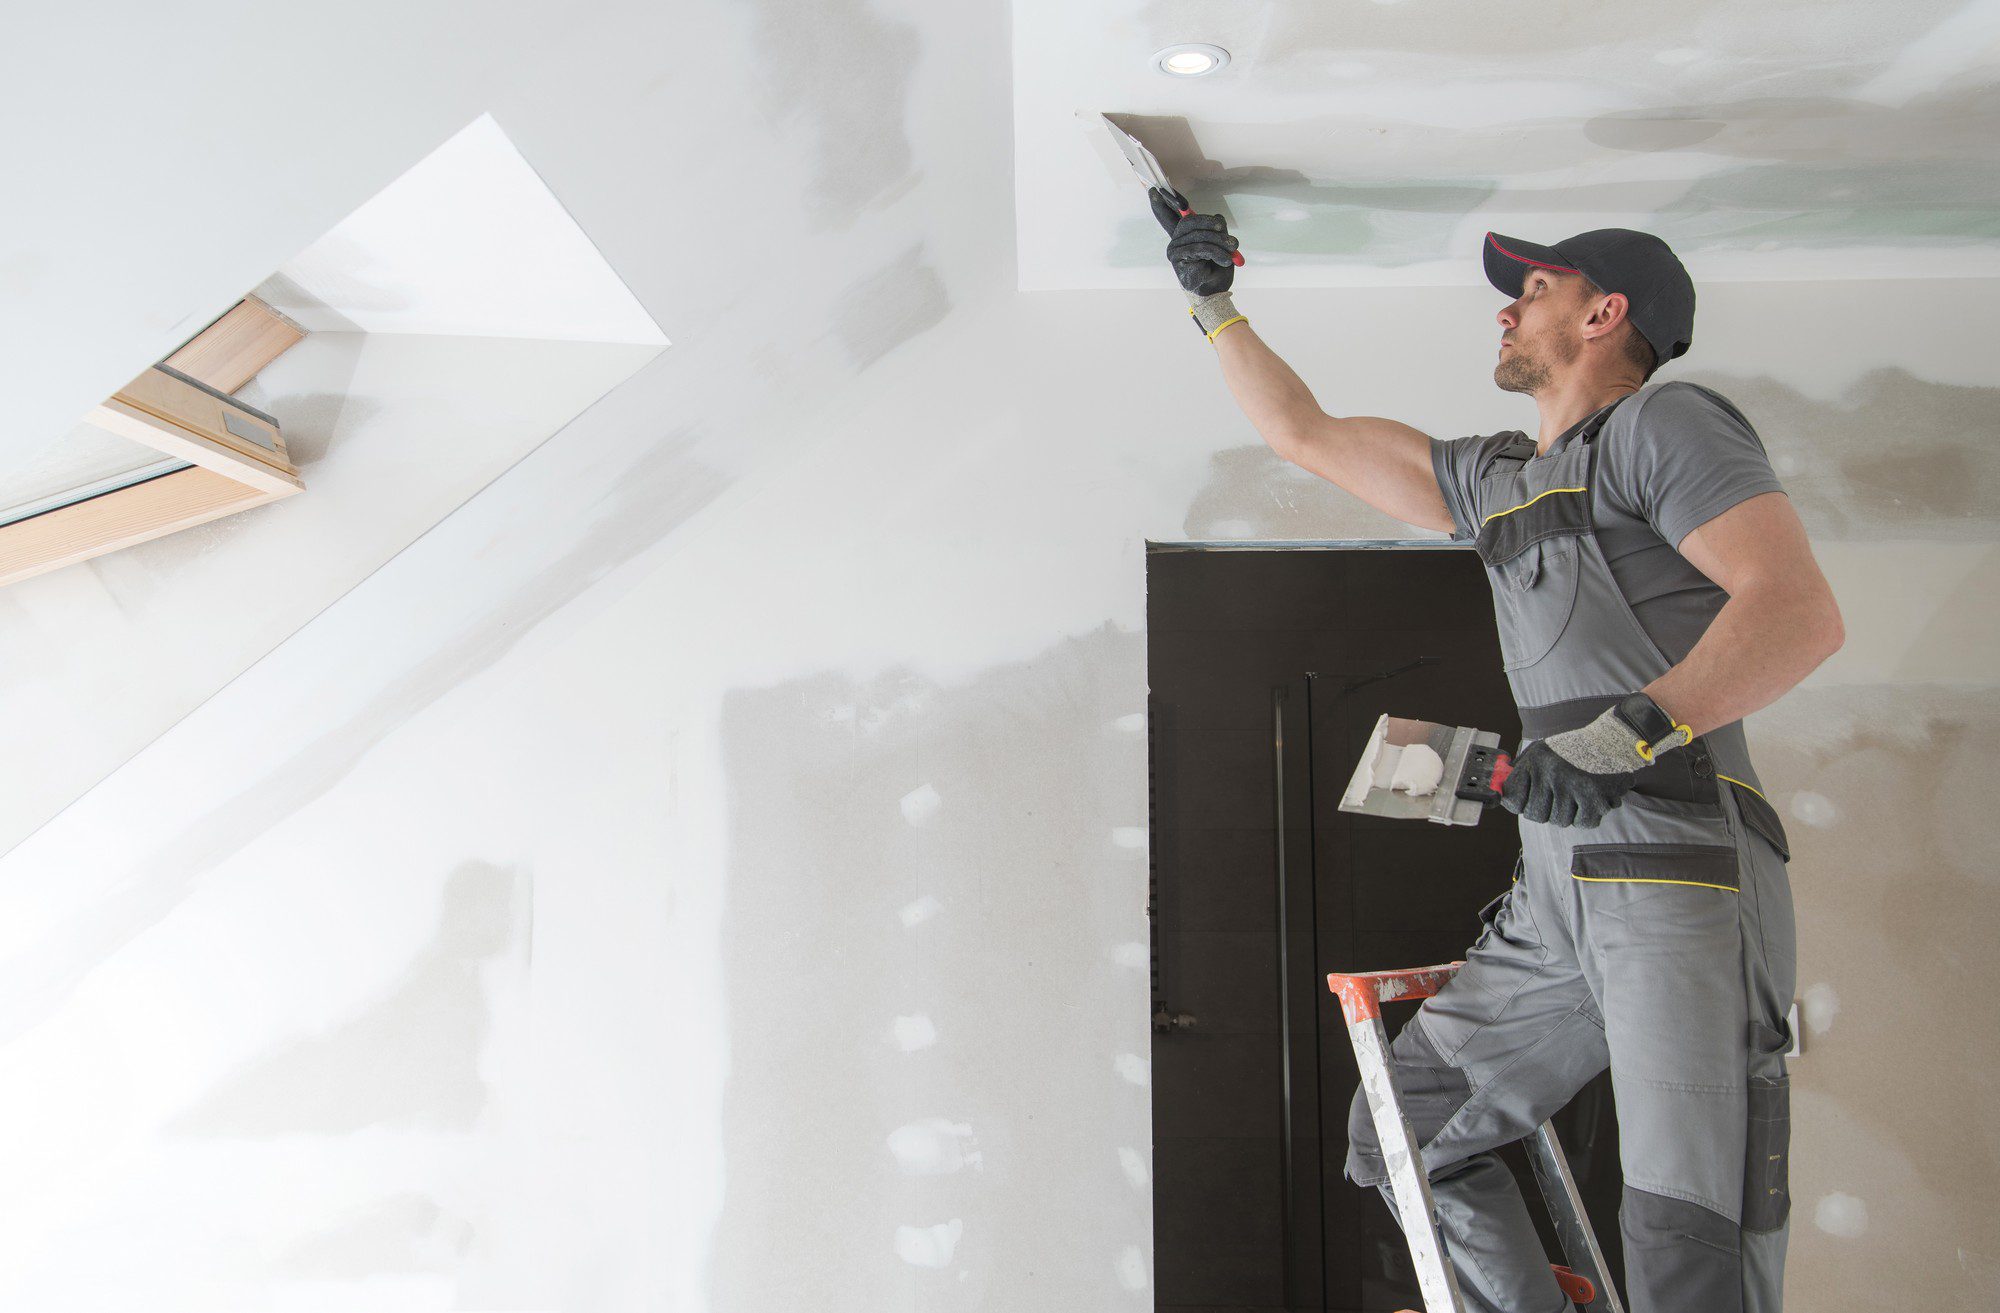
[1644, 268]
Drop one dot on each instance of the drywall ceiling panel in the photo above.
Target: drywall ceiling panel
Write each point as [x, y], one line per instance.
[469, 243]
[1376, 143]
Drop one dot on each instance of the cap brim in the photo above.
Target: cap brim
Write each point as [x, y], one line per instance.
[1508, 260]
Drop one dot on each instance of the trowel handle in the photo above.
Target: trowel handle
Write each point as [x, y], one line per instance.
[1486, 770]
[1180, 203]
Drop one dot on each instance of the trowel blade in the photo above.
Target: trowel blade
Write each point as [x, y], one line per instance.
[1371, 791]
[1139, 158]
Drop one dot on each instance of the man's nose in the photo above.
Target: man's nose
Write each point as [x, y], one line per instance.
[1506, 316]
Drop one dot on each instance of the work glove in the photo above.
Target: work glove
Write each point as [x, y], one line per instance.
[1199, 247]
[1575, 777]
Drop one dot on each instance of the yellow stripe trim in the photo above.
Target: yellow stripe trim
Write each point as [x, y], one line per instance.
[1617, 879]
[1240, 319]
[1530, 502]
[1741, 785]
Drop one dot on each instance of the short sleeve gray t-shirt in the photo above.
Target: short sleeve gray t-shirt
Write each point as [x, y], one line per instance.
[1672, 457]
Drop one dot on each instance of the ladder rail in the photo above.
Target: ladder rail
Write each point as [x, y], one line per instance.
[1361, 995]
[1573, 1229]
[1410, 1184]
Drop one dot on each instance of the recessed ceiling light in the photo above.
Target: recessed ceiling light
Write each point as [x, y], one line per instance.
[1190, 61]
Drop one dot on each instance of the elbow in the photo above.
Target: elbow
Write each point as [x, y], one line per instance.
[1833, 630]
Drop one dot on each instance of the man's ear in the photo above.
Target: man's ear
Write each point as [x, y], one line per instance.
[1615, 307]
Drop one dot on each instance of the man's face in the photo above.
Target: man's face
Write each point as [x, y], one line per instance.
[1538, 331]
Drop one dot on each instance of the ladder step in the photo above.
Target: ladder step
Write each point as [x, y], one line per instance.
[1574, 1284]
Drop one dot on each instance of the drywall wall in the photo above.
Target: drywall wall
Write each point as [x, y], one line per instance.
[701, 891]
[390, 432]
[706, 871]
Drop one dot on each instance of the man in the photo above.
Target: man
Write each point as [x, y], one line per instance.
[1653, 587]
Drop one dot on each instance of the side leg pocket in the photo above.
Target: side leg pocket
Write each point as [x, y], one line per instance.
[1767, 1194]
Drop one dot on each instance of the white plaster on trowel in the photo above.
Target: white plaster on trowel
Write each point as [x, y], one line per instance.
[1134, 1068]
[934, 1147]
[1819, 1006]
[920, 804]
[1417, 771]
[928, 1246]
[1841, 1215]
[1129, 836]
[920, 911]
[1137, 1170]
[914, 1032]
[1132, 955]
[1815, 809]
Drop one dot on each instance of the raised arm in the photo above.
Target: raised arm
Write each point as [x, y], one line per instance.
[1385, 463]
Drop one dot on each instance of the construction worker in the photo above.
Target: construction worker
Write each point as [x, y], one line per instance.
[1653, 587]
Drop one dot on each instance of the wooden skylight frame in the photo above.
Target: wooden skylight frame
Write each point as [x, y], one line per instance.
[235, 454]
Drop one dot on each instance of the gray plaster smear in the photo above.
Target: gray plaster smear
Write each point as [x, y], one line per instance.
[409, 1059]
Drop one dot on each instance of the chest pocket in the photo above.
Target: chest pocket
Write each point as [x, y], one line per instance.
[1531, 546]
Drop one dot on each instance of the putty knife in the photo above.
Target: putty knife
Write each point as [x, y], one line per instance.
[1151, 173]
[1414, 770]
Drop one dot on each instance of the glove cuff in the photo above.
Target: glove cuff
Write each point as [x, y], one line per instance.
[1657, 731]
[1212, 314]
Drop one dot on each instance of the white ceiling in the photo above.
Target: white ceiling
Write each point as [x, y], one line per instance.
[1375, 142]
[469, 242]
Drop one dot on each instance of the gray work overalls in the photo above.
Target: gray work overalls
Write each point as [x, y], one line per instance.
[1660, 942]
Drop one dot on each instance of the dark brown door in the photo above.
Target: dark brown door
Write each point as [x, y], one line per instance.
[1267, 670]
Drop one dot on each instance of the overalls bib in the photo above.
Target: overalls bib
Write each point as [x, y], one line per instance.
[1661, 942]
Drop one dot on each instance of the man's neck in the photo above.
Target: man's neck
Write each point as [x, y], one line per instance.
[1562, 408]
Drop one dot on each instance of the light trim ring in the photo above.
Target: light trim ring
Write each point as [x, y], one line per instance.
[1190, 57]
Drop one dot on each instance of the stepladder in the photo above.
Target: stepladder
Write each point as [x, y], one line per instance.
[1582, 1276]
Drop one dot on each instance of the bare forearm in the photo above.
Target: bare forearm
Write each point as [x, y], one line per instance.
[1760, 645]
[1273, 397]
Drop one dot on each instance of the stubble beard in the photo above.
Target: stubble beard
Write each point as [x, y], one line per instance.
[1525, 372]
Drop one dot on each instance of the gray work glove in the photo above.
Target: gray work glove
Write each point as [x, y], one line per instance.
[1575, 777]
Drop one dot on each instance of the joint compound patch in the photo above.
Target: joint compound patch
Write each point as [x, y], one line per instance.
[920, 804]
[1134, 1068]
[929, 1246]
[1129, 836]
[1815, 809]
[922, 910]
[1132, 1268]
[914, 1032]
[1134, 955]
[1841, 1215]
[934, 1147]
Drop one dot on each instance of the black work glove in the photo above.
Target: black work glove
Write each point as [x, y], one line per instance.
[1575, 777]
[1546, 787]
[1200, 248]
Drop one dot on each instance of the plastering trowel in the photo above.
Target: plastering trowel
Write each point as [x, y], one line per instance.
[1151, 173]
[1413, 770]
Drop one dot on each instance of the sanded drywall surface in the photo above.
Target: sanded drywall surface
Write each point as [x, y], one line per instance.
[460, 952]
